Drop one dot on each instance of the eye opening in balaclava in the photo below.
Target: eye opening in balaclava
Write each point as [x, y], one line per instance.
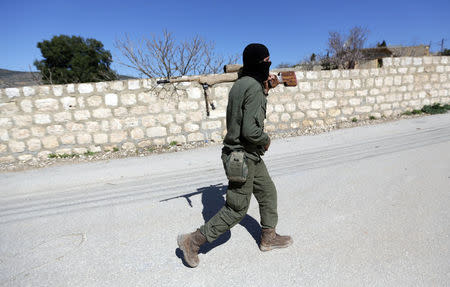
[254, 66]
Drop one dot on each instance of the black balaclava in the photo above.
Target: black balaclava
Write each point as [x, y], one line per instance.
[253, 57]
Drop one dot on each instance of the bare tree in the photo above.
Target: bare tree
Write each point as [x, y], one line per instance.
[345, 50]
[164, 57]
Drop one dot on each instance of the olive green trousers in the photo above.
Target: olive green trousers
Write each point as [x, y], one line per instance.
[238, 200]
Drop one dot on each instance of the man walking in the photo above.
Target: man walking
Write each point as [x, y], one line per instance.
[244, 144]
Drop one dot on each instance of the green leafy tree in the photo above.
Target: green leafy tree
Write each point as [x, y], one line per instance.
[446, 52]
[74, 60]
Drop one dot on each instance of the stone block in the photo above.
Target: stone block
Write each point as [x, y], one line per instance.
[187, 106]
[156, 132]
[67, 139]
[304, 86]
[195, 93]
[117, 85]
[175, 129]
[312, 114]
[5, 123]
[316, 105]
[164, 119]
[354, 101]
[100, 138]
[190, 127]
[81, 115]
[118, 136]
[139, 110]
[180, 118]
[374, 92]
[178, 139]
[290, 107]
[69, 103]
[121, 112]
[334, 112]
[137, 134]
[44, 90]
[408, 79]
[4, 136]
[130, 122]
[26, 106]
[46, 105]
[62, 117]
[94, 101]
[7, 159]
[101, 87]
[285, 117]
[193, 137]
[55, 130]
[363, 109]
[378, 82]
[128, 99]
[211, 125]
[111, 99]
[330, 104]
[3, 148]
[74, 127]
[58, 90]
[336, 73]
[92, 127]
[129, 146]
[347, 111]
[273, 118]
[85, 88]
[279, 108]
[28, 91]
[312, 75]
[12, 92]
[145, 143]
[148, 121]
[22, 121]
[331, 84]
[146, 98]
[133, 84]
[344, 84]
[154, 108]
[298, 115]
[102, 113]
[80, 150]
[196, 116]
[70, 88]
[42, 119]
[50, 142]
[7, 109]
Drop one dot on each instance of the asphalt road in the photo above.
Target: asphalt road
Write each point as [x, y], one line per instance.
[366, 206]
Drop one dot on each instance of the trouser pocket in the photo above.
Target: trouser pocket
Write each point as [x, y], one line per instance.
[236, 167]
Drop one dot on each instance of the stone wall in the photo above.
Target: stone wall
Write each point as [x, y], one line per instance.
[75, 118]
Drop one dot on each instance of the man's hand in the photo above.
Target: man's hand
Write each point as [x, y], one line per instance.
[272, 82]
[267, 146]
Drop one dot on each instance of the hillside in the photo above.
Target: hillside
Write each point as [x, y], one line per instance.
[9, 78]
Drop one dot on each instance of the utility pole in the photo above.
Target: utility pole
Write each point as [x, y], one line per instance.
[442, 45]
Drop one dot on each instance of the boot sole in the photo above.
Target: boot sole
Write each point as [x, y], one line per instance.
[264, 248]
[180, 239]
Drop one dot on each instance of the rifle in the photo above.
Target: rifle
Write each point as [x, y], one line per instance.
[231, 74]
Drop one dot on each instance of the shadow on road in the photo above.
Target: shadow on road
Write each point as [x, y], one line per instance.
[213, 200]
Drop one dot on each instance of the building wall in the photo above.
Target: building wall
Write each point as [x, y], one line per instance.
[75, 118]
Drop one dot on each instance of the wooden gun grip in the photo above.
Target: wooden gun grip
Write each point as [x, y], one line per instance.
[288, 78]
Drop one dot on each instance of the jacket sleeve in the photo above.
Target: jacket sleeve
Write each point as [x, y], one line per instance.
[253, 118]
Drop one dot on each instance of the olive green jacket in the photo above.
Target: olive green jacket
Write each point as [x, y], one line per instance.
[246, 112]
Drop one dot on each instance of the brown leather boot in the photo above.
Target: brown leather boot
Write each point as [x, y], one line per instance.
[190, 245]
[271, 240]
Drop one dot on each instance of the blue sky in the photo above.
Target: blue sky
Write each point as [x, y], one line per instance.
[292, 30]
